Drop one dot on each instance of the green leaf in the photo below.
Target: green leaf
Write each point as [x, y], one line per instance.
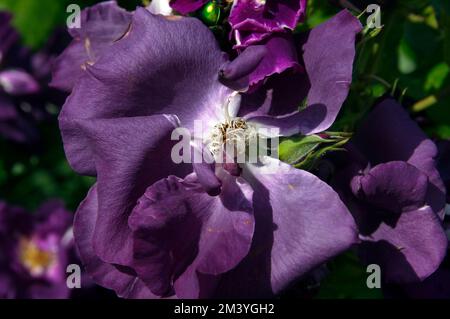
[436, 77]
[296, 149]
[347, 280]
[28, 179]
[304, 152]
[442, 131]
[35, 20]
[439, 113]
[407, 59]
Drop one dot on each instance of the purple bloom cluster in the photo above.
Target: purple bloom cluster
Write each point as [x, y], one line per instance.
[24, 95]
[151, 228]
[34, 251]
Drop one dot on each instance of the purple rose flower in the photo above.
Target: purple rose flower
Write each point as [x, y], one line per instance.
[394, 191]
[34, 251]
[151, 228]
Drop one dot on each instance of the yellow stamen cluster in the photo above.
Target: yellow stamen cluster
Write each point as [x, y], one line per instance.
[34, 259]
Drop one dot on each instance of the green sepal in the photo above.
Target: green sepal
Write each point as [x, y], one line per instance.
[304, 152]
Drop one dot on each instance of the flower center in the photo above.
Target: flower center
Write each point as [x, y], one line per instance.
[35, 259]
[230, 139]
[231, 136]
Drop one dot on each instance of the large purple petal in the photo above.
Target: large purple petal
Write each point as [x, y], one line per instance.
[126, 163]
[181, 232]
[101, 26]
[300, 223]
[125, 284]
[408, 247]
[395, 186]
[182, 81]
[253, 20]
[389, 134]
[328, 55]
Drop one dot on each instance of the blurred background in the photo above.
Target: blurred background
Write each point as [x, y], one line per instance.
[408, 58]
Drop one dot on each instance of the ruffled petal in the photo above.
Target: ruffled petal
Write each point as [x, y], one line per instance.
[328, 55]
[253, 20]
[395, 186]
[274, 56]
[124, 283]
[182, 81]
[136, 155]
[408, 248]
[179, 231]
[389, 134]
[101, 26]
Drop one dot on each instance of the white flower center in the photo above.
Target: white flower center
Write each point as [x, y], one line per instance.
[232, 137]
[235, 134]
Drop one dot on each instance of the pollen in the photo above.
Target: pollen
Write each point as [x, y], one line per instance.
[235, 132]
[33, 258]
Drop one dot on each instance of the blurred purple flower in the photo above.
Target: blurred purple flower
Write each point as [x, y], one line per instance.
[151, 228]
[12, 124]
[34, 251]
[392, 187]
[24, 95]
